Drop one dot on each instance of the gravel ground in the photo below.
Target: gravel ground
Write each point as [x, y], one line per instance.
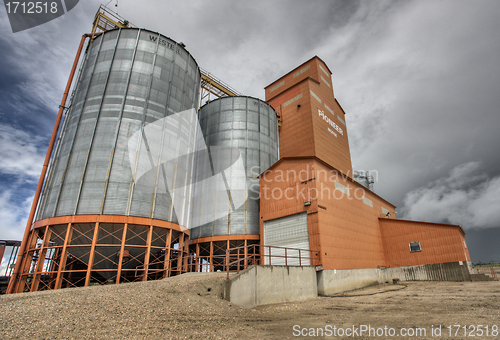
[190, 307]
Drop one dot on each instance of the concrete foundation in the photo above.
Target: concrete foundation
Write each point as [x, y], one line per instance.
[451, 271]
[260, 285]
[334, 281]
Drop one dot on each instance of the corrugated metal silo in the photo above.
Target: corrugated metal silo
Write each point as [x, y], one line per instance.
[241, 133]
[130, 79]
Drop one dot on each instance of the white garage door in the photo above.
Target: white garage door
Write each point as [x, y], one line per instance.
[290, 232]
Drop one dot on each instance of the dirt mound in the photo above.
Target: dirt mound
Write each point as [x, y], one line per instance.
[190, 306]
[481, 277]
[155, 309]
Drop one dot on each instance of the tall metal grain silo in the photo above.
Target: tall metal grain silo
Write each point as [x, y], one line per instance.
[241, 136]
[97, 221]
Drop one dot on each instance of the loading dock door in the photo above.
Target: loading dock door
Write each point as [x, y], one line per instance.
[290, 232]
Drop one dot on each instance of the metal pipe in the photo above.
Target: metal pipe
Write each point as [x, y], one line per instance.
[66, 165]
[15, 250]
[227, 263]
[22, 247]
[2, 251]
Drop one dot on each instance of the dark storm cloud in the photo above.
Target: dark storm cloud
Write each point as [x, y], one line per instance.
[249, 44]
[34, 66]
[420, 90]
[483, 245]
[466, 196]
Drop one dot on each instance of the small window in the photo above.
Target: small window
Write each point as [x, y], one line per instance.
[415, 246]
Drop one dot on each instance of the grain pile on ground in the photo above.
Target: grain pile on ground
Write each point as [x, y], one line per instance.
[190, 306]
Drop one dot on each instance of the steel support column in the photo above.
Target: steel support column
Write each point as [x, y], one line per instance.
[64, 257]
[26, 265]
[181, 251]
[245, 261]
[92, 254]
[41, 259]
[211, 256]
[122, 248]
[185, 253]
[168, 249]
[147, 254]
[2, 251]
[198, 269]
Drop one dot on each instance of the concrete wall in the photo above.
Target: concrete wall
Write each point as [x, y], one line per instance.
[332, 282]
[336, 281]
[260, 285]
[451, 271]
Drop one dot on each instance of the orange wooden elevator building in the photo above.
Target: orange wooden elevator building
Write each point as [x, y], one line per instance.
[308, 199]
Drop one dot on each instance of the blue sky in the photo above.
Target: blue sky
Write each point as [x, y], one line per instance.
[419, 81]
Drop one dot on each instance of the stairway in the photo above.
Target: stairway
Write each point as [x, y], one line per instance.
[481, 277]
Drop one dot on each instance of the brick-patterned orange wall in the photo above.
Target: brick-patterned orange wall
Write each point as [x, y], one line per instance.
[296, 135]
[349, 228]
[331, 145]
[350, 231]
[283, 191]
[343, 228]
[440, 243]
[309, 69]
[303, 131]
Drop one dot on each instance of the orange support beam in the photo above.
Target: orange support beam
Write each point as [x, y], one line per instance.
[211, 256]
[147, 254]
[92, 254]
[122, 248]
[22, 247]
[181, 252]
[41, 260]
[168, 249]
[26, 264]
[245, 255]
[198, 258]
[64, 257]
[2, 251]
[185, 253]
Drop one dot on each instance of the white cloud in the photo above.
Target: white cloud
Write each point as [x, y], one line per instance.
[13, 217]
[417, 81]
[3, 266]
[20, 166]
[19, 153]
[465, 197]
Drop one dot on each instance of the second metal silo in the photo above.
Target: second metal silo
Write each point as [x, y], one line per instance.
[241, 136]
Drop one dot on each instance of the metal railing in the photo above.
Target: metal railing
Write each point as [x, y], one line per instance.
[8, 249]
[261, 253]
[493, 272]
[215, 85]
[185, 264]
[235, 260]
